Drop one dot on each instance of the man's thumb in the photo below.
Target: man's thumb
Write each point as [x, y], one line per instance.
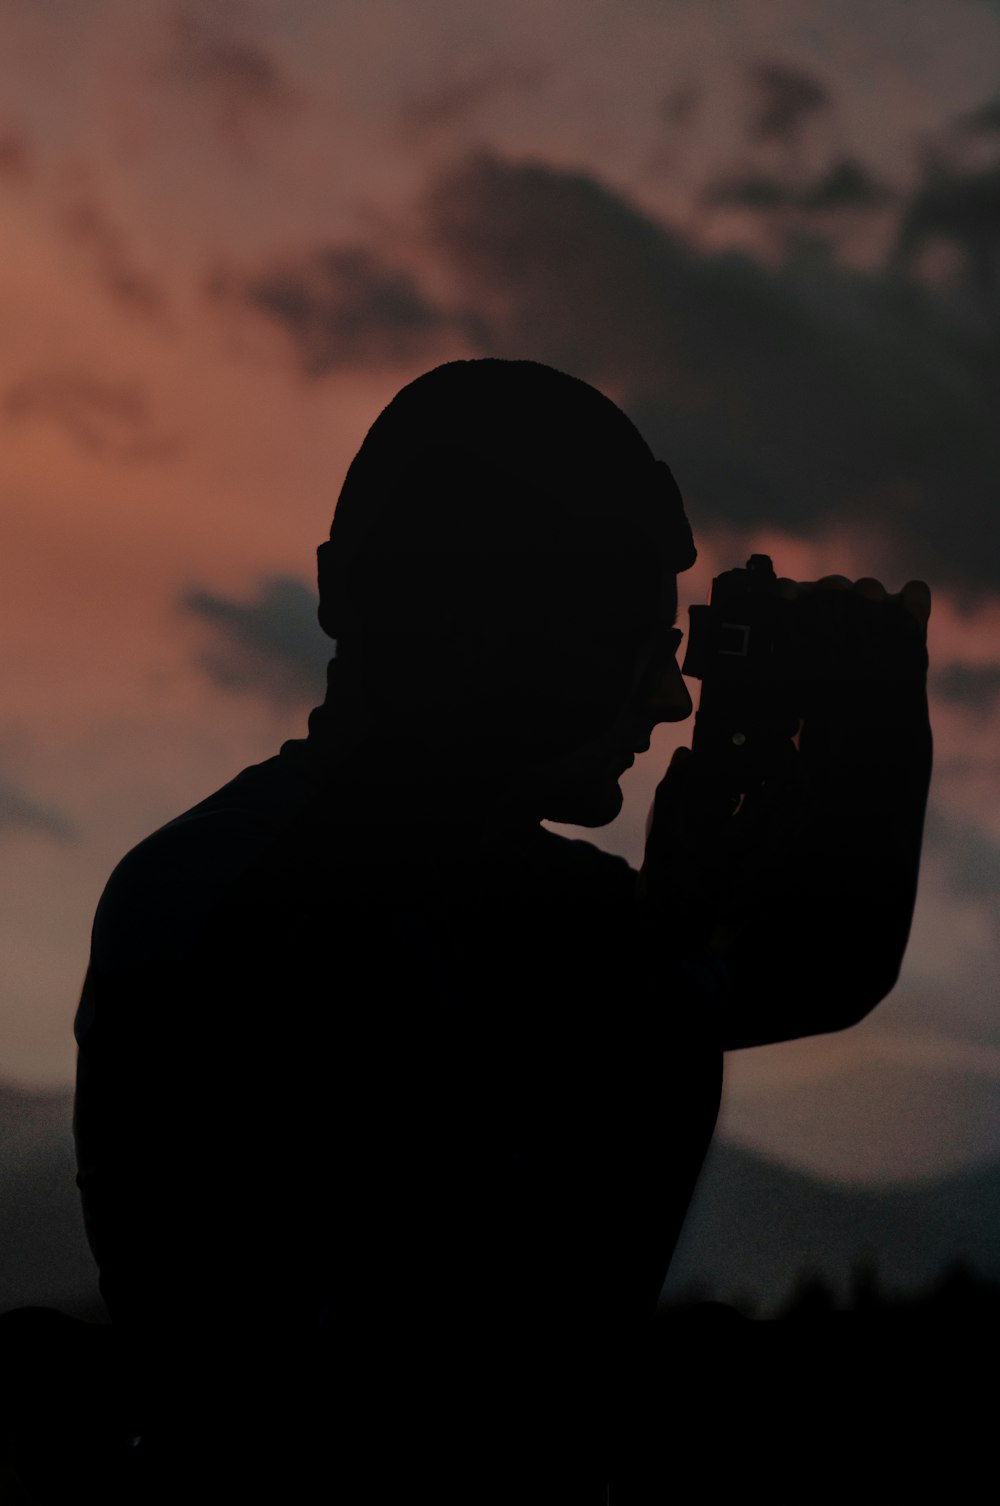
[668, 791]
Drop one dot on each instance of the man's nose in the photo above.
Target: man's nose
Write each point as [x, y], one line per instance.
[669, 700]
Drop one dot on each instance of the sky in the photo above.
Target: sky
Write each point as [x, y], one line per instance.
[769, 229]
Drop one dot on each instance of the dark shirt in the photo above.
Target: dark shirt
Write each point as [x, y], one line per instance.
[347, 1074]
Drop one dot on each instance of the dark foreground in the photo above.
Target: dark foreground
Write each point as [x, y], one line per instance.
[876, 1407]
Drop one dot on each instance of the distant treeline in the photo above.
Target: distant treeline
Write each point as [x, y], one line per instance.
[958, 1289]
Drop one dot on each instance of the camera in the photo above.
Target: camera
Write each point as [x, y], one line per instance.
[751, 662]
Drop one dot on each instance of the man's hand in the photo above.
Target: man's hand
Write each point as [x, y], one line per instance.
[867, 647]
[812, 878]
[915, 596]
[705, 862]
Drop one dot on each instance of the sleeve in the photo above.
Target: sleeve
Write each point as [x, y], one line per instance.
[830, 943]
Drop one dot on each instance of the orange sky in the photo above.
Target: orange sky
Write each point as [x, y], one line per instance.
[183, 381]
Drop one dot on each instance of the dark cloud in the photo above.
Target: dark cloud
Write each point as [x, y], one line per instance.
[962, 209]
[846, 185]
[341, 307]
[239, 79]
[785, 98]
[972, 856]
[270, 645]
[110, 419]
[975, 868]
[802, 397]
[984, 121]
[91, 229]
[554, 265]
[976, 686]
[18, 812]
[680, 105]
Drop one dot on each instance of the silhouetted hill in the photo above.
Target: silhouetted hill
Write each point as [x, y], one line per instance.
[44, 1258]
[756, 1227]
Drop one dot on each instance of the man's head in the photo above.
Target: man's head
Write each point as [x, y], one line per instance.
[501, 577]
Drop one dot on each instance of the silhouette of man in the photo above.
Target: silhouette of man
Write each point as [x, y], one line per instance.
[391, 1101]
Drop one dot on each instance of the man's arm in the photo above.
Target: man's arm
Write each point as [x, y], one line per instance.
[807, 893]
[827, 941]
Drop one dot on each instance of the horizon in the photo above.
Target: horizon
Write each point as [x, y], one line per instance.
[758, 1231]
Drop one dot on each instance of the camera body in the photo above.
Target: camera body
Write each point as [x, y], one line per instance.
[751, 661]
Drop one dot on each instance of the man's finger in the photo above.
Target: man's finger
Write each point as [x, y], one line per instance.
[870, 587]
[827, 583]
[916, 598]
[689, 800]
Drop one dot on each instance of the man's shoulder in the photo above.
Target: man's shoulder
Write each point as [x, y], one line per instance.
[165, 889]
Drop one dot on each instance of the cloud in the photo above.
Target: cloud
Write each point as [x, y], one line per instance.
[88, 226]
[110, 419]
[555, 265]
[972, 857]
[975, 868]
[962, 209]
[270, 645]
[241, 82]
[976, 686]
[680, 105]
[452, 105]
[340, 306]
[804, 398]
[785, 98]
[846, 185]
[984, 120]
[18, 812]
